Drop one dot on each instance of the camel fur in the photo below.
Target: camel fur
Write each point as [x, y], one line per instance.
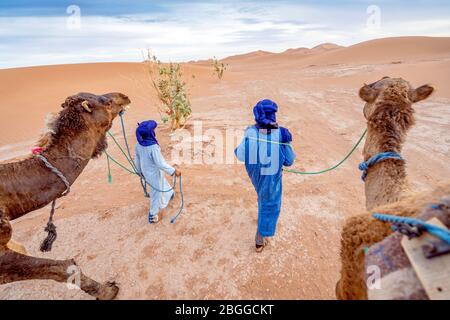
[75, 136]
[390, 114]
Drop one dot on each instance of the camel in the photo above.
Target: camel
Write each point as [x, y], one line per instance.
[390, 114]
[75, 136]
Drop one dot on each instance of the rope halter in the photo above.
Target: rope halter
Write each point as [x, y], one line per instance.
[365, 166]
[51, 228]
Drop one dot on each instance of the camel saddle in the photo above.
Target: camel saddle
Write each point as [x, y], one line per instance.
[407, 270]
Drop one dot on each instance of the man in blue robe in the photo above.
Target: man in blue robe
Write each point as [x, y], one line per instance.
[265, 149]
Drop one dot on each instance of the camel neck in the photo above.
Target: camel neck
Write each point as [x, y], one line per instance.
[386, 181]
[67, 160]
[70, 157]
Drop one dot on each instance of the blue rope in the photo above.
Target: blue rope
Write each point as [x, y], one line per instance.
[431, 229]
[364, 166]
[174, 218]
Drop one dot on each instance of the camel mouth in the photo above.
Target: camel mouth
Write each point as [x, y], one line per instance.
[126, 107]
[118, 101]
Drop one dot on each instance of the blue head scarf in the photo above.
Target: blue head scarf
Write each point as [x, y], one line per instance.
[264, 112]
[145, 133]
[265, 117]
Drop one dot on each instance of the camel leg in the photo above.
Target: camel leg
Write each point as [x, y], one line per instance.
[358, 233]
[5, 236]
[17, 267]
[17, 247]
[5, 230]
[351, 285]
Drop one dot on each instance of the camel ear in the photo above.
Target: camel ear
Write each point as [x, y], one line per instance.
[368, 94]
[421, 93]
[86, 107]
[69, 101]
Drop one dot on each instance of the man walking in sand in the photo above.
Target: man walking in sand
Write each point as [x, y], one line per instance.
[265, 149]
[151, 164]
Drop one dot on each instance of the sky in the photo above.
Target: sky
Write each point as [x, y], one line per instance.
[57, 32]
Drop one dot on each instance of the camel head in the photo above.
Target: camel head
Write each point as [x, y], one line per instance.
[88, 114]
[396, 92]
[98, 111]
[389, 112]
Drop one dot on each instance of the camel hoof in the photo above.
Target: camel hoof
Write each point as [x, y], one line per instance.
[108, 291]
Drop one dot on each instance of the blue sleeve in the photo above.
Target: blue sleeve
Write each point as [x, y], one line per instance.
[286, 136]
[289, 155]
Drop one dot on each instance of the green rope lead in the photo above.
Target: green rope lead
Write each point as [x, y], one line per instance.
[141, 177]
[269, 141]
[119, 164]
[335, 166]
[123, 152]
[109, 170]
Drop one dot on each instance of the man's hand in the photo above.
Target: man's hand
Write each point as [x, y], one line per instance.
[177, 173]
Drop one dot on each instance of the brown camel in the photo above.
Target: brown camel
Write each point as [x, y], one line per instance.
[75, 136]
[389, 115]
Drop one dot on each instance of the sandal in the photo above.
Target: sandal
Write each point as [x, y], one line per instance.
[153, 219]
[260, 247]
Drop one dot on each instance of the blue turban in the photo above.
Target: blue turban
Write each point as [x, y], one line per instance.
[145, 133]
[265, 117]
[264, 112]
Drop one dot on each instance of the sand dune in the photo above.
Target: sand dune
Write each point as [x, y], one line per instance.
[390, 50]
[209, 253]
[250, 55]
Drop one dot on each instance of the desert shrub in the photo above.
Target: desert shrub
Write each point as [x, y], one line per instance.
[219, 68]
[172, 91]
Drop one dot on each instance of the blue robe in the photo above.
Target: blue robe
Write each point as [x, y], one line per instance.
[264, 162]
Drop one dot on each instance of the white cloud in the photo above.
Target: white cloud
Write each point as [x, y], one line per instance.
[195, 31]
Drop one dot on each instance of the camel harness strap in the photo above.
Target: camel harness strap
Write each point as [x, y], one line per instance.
[46, 245]
[365, 166]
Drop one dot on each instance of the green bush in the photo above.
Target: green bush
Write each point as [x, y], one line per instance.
[171, 90]
[219, 68]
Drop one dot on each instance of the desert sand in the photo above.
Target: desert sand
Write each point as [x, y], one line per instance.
[209, 252]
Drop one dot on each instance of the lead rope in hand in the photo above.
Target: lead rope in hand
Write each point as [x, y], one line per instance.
[47, 243]
[314, 172]
[336, 165]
